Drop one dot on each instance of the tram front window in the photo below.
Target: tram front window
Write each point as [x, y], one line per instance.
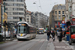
[21, 29]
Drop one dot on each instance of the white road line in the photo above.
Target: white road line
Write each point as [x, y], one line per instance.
[64, 47]
[40, 40]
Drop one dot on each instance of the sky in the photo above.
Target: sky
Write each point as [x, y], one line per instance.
[43, 6]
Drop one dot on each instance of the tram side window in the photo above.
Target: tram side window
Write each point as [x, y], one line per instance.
[32, 30]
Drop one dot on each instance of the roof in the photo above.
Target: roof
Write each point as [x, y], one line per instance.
[29, 12]
[26, 23]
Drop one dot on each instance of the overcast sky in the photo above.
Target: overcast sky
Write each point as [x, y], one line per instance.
[44, 6]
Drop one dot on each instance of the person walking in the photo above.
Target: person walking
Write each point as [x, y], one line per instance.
[60, 35]
[53, 35]
[48, 35]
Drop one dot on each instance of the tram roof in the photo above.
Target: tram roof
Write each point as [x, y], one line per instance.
[26, 23]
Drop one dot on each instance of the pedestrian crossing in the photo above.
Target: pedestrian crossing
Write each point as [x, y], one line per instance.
[40, 40]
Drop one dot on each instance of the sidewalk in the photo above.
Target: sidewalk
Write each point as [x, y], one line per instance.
[60, 45]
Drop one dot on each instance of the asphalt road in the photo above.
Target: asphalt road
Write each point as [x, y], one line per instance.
[39, 43]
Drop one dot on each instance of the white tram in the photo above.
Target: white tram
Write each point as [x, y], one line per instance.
[25, 31]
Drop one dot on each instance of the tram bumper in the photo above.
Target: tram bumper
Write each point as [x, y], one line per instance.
[23, 37]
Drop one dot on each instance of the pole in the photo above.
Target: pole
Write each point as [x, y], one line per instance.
[5, 33]
[4, 26]
[1, 18]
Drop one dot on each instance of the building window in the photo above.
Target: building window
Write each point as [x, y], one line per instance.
[55, 17]
[59, 17]
[28, 21]
[55, 12]
[10, 17]
[27, 18]
[59, 12]
[20, 0]
[21, 13]
[21, 9]
[15, 18]
[15, 0]
[62, 12]
[6, 8]
[9, 13]
[15, 13]
[15, 4]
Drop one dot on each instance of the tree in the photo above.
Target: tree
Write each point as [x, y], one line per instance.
[43, 22]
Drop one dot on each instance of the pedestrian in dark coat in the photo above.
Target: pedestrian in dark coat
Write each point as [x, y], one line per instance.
[60, 36]
[53, 35]
[48, 35]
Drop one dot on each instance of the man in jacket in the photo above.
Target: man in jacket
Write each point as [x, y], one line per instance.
[48, 35]
[53, 35]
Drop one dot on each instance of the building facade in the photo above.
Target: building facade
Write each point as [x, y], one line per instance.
[28, 17]
[57, 15]
[68, 4]
[0, 13]
[15, 10]
[33, 18]
[41, 20]
[1, 2]
[37, 19]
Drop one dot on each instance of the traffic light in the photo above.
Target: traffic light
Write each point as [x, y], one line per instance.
[20, 19]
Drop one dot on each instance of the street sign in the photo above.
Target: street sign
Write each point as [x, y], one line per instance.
[46, 28]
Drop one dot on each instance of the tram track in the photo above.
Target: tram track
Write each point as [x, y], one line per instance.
[37, 44]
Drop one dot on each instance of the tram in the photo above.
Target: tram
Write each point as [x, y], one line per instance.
[25, 31]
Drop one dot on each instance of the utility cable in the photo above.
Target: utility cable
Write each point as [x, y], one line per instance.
[40, 5]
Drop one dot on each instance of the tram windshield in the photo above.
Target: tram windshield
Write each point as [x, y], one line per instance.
[22, 28]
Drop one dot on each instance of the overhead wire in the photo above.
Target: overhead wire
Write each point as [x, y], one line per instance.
[40, 5]
[36, 5]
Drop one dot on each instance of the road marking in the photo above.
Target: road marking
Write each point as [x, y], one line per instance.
[64, 47]
[40, 40]
[50, 46]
